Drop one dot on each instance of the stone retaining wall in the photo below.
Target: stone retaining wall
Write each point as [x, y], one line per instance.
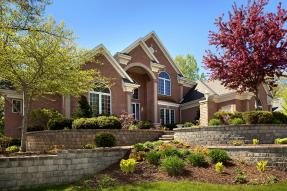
[76, 138]
[217, 135]
[276, 155]
[24, 172]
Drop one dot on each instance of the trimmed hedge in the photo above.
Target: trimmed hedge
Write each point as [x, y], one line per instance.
[60, 123]
[105, 140]
[144, 125]
[101, 122]
[258, 117]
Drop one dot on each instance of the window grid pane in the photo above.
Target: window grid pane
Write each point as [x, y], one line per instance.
[94, 103]
[172, 117]
[167, 87]
[161, 87]
[106, 104]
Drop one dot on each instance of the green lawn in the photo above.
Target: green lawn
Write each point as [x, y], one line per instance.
[178, 186]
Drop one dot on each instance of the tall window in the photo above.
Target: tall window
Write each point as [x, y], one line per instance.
[164, 84]
[100, 101]
[136, 111]
[167, 116]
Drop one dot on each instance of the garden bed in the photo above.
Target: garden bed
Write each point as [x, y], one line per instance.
[146, 172]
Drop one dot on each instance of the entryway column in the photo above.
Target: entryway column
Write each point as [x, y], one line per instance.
[129, 102]
[155, 107]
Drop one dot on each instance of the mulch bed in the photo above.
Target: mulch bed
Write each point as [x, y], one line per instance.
[146, 172]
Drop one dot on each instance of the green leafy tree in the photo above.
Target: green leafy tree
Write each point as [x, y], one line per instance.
[84, 109]
[39, 57]
[281, 92]
[188, 66]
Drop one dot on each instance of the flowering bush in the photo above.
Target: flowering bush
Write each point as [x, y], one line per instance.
[128, 166]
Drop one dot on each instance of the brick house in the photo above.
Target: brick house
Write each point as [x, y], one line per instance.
[146, 83]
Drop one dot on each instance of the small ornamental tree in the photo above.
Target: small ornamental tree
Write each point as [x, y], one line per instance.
[84, 109]
[251, 47]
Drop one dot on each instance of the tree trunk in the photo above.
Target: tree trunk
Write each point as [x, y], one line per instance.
[26, 107]
[257, 100]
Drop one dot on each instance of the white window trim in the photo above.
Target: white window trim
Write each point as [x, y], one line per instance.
[100, 100]
[135, 103]
[164, 80]
[21, 106]
[164, 115]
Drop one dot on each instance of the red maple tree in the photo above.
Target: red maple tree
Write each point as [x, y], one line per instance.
[251, 47]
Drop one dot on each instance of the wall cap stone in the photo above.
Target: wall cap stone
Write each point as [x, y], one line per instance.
[207, 128]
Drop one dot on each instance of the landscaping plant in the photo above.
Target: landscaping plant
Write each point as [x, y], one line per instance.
[201, 149]
[237, 142]
[139, 147]
[261, 165]
[197, 159]
[281, 141]
[240, 176]
[173, 165]
[12, 149]
[171, 152]
[101, 122]
[128, 166]
[60, 123]
[219, 167]
[89, 146]
[218, 155]
[105, 181]
[255, 141]
[105, 140]
[153, 157]
[236, 121]
[144, 125]
[214, 122]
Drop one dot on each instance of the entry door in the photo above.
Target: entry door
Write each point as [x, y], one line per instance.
[136, 111]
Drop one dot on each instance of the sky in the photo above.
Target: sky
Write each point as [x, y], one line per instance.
[182, 25]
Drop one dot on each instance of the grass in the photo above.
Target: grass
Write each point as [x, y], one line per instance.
[178, 186]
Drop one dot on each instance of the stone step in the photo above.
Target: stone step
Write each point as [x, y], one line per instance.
[168, 133]
[167, 136]
[165, 139]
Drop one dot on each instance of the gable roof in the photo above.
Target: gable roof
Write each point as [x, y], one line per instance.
[114, 63]
[213, 87]
[141, 42]
[163, 49]
[192, 95]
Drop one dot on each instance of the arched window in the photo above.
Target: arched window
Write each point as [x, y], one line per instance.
[164, 84]
[100, 101]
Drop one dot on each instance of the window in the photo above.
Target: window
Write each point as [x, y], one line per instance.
[167, 116]
[100, 101]
[136, 111]
[16, 106]
[164, 84]
[136, 93]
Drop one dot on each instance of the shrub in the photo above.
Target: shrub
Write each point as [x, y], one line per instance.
[200, 149]
[126, 120]
[261, 165]
[105, 181]
[223, 116]
[89, 146]
[101, 122]
[128, 166]
[272, 179]
[188, 124]
[280, 117]
[173, 165]
[281, 141]
[258, 117]
[184, 152]
[171, 152]
[255, 141]
[12, 149]
[84, 109]
[170, 126]
[4, 142]
[138, 156]
[144, 125]
[105, 140]
[197, 159]
[153, 157]
[109, 122]
[218, 155]
[139, 147]
[219, 167]
[148, 145]
[39, 118]
[133, 127]
[214, 122]
[237, 142]
[240, 176]
[60, 123]
[236, 121]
